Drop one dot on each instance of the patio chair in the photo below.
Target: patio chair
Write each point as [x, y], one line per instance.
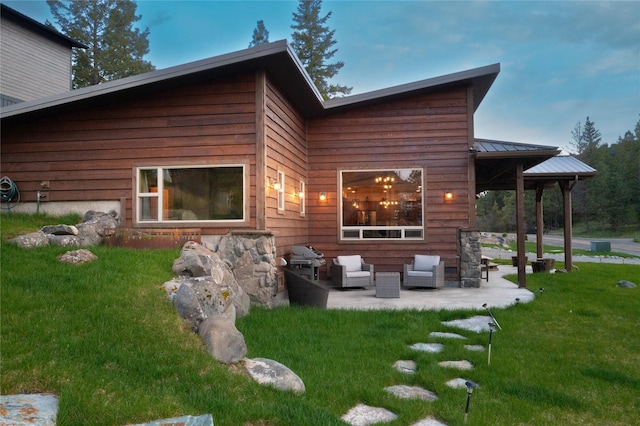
[424, 271]
[351, 271]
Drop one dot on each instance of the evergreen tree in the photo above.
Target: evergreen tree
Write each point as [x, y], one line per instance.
[313, 43]
[116, 47]
[260, 35]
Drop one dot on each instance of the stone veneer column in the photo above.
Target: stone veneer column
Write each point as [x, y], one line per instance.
[470, 258]
[251, 255]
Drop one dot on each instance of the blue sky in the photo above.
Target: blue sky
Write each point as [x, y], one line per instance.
[561, 61]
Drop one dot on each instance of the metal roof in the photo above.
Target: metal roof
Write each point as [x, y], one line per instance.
[25, 21]
[562, 165]
[494, 148]
[281, 65]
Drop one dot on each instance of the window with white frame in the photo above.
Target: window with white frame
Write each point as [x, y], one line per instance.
[191, 193]
[382, 204]
[281, 190]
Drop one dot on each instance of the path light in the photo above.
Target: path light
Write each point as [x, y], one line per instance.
[492, 328]
[492, 317]
[470, 387]
[541, 290]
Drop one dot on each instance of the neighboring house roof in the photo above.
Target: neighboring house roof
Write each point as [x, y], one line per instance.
[281, 64]
[43, 30]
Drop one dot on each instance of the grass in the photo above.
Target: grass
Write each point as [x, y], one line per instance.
[532, 248]
[103, 337]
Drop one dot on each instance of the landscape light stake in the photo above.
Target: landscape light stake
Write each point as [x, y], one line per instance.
[492, 327]
[470, 387]
[492, 317]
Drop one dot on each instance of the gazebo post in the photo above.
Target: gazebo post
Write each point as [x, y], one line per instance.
[539, 221]
[522, 263]
[566, 187]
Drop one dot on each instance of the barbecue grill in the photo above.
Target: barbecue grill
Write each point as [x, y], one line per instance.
[307, 261]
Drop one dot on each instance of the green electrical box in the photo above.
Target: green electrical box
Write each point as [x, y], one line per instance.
[600, 246]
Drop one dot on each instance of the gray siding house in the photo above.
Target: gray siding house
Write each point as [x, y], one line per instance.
[35, 61]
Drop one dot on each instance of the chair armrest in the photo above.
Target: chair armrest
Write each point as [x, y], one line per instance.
[338, 273]
[368, 267]
[438, 274]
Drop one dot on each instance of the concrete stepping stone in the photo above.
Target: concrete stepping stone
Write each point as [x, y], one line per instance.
[406, 366]
[363, 415]
[446, 335]
[460, 365]
[475, 348]
[428, 347]
[478, 323]
[411, 392]
[29, 409]
[457, 383]
[429, 421]
[204, 420]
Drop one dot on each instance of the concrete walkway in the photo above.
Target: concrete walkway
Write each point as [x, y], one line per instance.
[497, 292]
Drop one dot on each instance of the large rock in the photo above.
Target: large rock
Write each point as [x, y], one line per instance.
[272, 373]
[91, 230]
[77, 257]
[187, 305]
[223, 340]
[60, 229]
[31, 240]
[64, 240]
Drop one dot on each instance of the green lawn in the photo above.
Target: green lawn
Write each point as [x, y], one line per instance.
[104, 338]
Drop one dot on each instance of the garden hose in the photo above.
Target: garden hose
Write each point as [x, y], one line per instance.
[9, 191]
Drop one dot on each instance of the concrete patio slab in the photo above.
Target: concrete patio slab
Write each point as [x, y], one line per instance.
[496, 293]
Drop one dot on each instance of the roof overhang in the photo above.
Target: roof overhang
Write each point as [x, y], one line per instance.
[496, 161]
[280, 63]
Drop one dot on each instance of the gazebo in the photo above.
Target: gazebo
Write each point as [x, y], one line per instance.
[516, 166]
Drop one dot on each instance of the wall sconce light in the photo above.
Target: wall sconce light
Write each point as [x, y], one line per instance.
[448, 195]
[323, 196]
[274, 184]
[300, 192]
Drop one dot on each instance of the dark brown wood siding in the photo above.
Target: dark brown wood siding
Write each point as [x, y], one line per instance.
[90, 155]
[429, 131]
[286, 151]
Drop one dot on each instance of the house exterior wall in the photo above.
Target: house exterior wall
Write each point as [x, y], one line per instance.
[427, 131]
[89, 156]
[32, 66]
[286, 151]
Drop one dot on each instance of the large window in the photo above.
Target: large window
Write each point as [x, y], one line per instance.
[382, 204]
[191, 193]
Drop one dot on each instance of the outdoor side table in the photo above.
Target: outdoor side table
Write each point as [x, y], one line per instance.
[388, 284]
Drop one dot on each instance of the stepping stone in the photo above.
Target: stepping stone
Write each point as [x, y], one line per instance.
[405, 366]
[27, 409]
[446, 335]
[460, 365]
[411, 392]
[457, 383]
[429, 421]
[476, 348]
[428, 347]
[363, 415]
[204, 420]
[478, 323]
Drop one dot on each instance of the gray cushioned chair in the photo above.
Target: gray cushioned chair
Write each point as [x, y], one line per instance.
[351, 271]
[424, 271]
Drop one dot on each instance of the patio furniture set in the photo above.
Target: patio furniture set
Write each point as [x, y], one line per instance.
[352, 271]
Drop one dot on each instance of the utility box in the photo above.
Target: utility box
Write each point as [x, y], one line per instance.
[600, 246]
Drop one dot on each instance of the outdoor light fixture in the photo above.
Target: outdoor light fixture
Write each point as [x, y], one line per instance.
[323, 196]
[492, 328]
[470, 387]
[448, 195]
[274, 184]
[300, 193]
[495, 321]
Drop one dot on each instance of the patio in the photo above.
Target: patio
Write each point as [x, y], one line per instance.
[496, 293]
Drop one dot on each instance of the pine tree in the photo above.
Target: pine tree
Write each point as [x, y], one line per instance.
[260, 35]
[313, 43]
[116, 47]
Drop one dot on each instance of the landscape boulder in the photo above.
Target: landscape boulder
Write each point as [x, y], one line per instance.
[272, 373]
[31, 240]
[223, 340]
[77, 257]
[625, 284]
